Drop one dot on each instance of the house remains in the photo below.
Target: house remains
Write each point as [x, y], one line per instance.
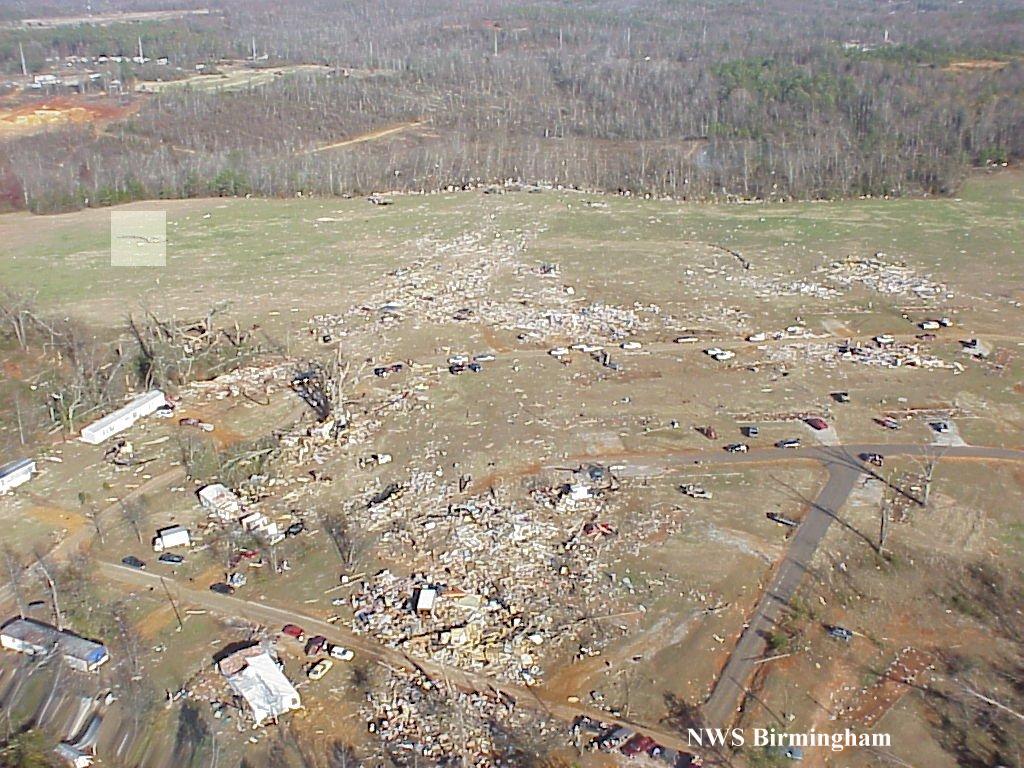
[254, 673]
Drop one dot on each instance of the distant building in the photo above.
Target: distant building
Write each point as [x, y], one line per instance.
[255, 675]
[37, 639]
[123, 417]
[16, 473]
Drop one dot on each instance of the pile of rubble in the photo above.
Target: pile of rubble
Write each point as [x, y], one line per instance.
[894, 355]
[424, 723]
[491, 591]
[878, 274]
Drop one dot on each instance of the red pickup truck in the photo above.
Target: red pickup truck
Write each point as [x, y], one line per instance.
[295, 631]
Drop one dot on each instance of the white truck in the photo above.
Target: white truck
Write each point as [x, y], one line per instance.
[174, 536]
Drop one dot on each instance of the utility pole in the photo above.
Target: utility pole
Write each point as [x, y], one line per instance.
[495, 41]
[142, 59]
[254, 49]
[24, 68]
[163, 583]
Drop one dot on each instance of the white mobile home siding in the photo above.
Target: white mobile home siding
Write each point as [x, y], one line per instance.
[124, 417]
[14, 474]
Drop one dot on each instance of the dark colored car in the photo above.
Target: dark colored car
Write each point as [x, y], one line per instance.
[875, 459]
[295, 529]
[316, 644]
[637, 744]
[475, 367]
[171, 558]
[840, 633]
[133, 562]
[222, 589]
[295, 631]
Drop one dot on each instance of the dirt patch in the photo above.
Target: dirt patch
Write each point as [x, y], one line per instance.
[976, 65]
[37, 116]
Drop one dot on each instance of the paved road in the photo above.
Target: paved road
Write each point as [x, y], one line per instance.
[844, 470]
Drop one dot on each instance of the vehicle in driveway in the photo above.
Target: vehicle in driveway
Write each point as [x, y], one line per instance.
[751, 431]
[637, 744]
[941, 427]
[889, 423]
[171, 559]
[294, 529]
[222, 589]
[294, 631]
[875, 459]
[790, 442]
[341, 653]
[318, 670]
[316, 644]
[133, 562]
[737, 448]
[816, 422]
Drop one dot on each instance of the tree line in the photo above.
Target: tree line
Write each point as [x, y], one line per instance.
[779, 99]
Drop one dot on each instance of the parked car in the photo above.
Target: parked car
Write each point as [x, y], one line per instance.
[708, 432]
[171, 559]
[737, 448]
[841, 397]
[315, 645]
[889, 423]
[475, 367]
[294, 529]
[875, 459]
[751, 431]
[295, 631]
[341, 653]
[816, 422]
[789, 442]
[942, 427]
[630, 345]
[637, 744]
[133, 562]
[222, 589]
[318, 670]
[839, 633]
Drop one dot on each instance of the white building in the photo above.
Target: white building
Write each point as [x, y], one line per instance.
[253, 673]
[220, 500]
[173, 536]
[123, 417]
[37, 639]
[16, 473]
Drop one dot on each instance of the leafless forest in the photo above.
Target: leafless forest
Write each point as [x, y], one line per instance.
[774, 99]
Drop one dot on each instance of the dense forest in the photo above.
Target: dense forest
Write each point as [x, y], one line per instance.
[733, 99]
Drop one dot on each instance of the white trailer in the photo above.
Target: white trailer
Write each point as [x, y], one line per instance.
[174, 536]
[123, 417]
[16, 473]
